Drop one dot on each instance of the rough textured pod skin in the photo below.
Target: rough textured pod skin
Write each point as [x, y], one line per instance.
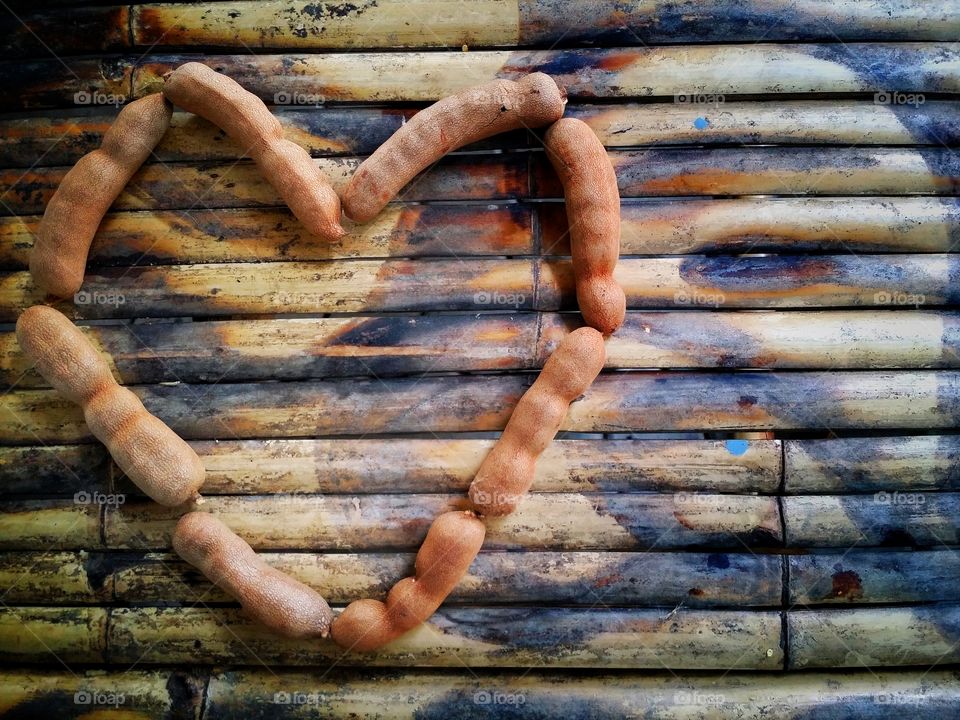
[593, 213]
[243, 116]
[469, 116]
[72, 216]
[452, 543]
[271, 597]
[507, 472]
[154, 457]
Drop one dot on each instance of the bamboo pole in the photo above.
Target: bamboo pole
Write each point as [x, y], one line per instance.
[54, 635]
[822, 122]
[135, 694]
[640, 173]
[51, 524]
[875, 576]
[550, 521]
[409, 694]
[489, 23]
[621, 402]
[866, 637]
[893, 282]
[61, 138]
[385, 346]
[649, 227]
[371, 466]
[891, 518]
[748, 224]
[150, 237]
[691, 71]
[54, 471]
[718, 579]
[870, 465]
[926, 695]
[778, 170]
[188, 186]
[480, 637]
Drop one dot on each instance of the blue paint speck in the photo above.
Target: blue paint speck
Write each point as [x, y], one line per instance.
[737, 447]
[701, 123]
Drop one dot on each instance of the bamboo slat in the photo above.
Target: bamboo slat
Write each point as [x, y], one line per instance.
[385, 346]
[489, 23]
[47, 83]
[409, 694]
[74, 693]
[336, 286]
[650, 227]
[79, 30]
[824, 122]
[432, 23]
[765, 281]
[57, 578]
[749, 69]
[609, 72]
[884, 518]
[807, 224]
[481, 637]
[657, 172]
[572, 578]
[61, 138]
[930, 695]
[299, 348]
[53, 635]
[272, 234]
[842, 465]
[867, 637]
[874, 576]
[552, 521]
[54, 471]
[51, 524]
[834, 340]
[240, 184]
[621, 402]
[393, 285]
[372, 466]
[640, 173]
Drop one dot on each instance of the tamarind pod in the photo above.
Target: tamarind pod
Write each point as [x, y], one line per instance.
[469, 116]
[507, 472]
[269, 596]
[87, 191]
[243, 116]
[452, 543]
[154, 457]
[593, 213]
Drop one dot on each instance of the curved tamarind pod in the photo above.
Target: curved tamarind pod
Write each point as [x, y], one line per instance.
[470, 115]
[71, 218]
[154, 457]
[506, 474]
[243, 116]
[452, 543]
[593, 214]
[269, 596]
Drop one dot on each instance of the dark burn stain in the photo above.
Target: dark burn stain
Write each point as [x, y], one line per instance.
[747, 401]
[319, 11]
[846, 584]
[695, 592]
[898, 538]
[100, 568]
[718, 561]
